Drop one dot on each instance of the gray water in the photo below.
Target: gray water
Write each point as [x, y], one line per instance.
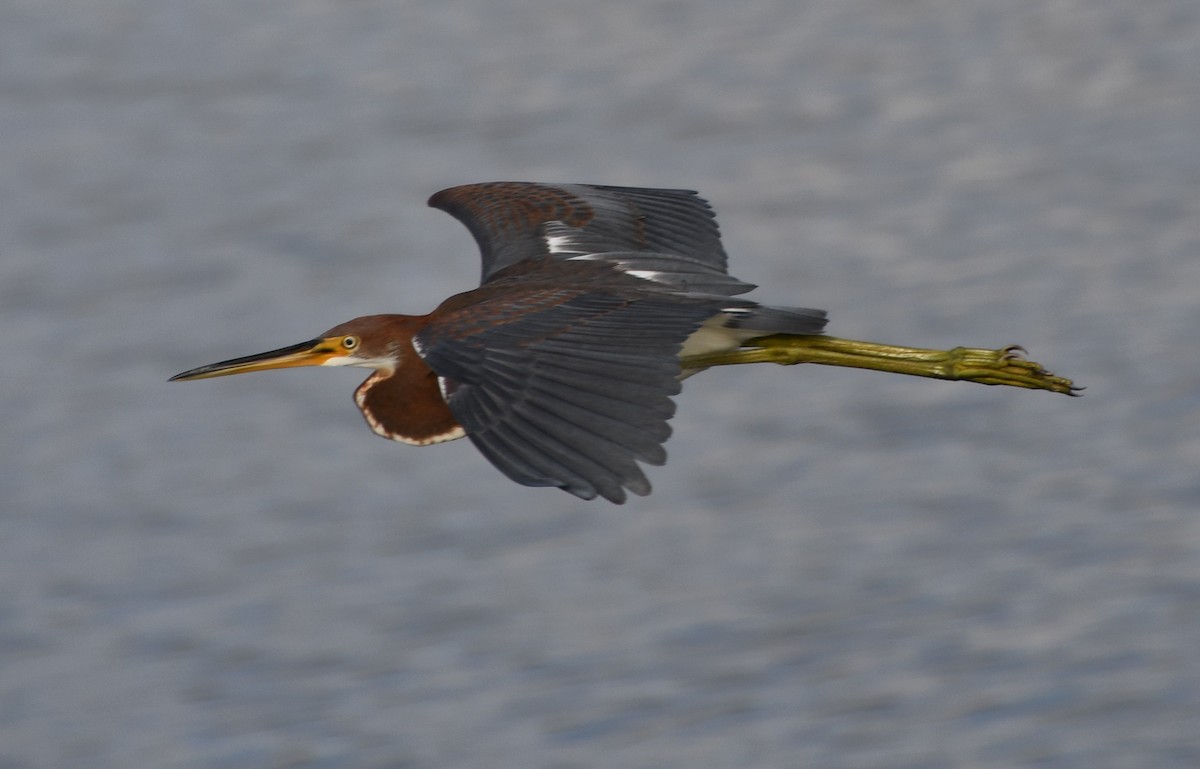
[836, 569]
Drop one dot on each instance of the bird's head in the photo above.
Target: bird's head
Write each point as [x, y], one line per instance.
[374, 342]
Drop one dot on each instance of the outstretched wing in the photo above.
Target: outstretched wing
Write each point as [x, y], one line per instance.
[668, 236]
[574, 392]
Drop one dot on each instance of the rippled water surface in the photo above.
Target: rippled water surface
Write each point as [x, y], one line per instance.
[836, 569]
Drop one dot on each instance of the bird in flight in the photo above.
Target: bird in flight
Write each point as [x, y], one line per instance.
[595, 302]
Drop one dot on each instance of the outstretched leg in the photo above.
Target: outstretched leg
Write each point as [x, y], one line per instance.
[1006, 366]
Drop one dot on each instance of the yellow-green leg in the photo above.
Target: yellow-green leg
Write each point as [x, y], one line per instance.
[1006, 366]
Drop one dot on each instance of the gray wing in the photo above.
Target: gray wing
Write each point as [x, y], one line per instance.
[571, 396]
[667, 236]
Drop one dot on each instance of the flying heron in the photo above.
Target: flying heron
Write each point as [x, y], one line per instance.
[595, 302]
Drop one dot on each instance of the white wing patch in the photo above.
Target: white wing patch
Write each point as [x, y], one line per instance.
[653, 275]
[562, 238]
[558, 244]
[625, 265]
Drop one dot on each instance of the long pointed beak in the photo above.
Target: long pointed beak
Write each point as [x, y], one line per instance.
[312, 353]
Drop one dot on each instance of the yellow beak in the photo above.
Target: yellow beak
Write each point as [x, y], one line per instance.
[311, 353]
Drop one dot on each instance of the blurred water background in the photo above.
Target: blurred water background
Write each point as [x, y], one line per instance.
[836, 569]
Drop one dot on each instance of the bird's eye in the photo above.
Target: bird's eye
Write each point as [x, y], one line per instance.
[350, 342]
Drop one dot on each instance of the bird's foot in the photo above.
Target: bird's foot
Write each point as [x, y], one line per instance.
[1005, 366]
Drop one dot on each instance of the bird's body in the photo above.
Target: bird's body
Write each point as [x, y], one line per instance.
[595, 303]
[560, 367]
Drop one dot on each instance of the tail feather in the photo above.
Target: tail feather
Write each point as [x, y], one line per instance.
[764, 321]
[736, 325]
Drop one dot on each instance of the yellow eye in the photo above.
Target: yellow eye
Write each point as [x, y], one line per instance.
[350, 342]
